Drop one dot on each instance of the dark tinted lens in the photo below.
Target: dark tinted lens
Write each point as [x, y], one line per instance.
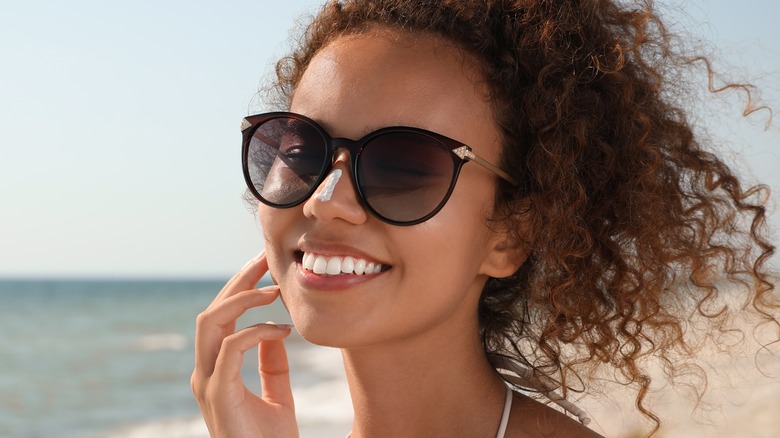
[405, 175]
[285, 159]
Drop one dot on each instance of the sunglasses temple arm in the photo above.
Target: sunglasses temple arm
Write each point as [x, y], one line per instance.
[465, 153]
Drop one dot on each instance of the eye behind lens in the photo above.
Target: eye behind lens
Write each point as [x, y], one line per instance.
[405, 176]
[286, 158]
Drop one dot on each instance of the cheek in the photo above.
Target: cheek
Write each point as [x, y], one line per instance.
[266, 220]
[462, 235]
[449, 249]
[275, 224]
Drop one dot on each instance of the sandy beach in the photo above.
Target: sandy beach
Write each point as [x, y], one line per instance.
[742, 397]
[739, 402]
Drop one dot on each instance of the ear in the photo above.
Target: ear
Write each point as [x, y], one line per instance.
[505, 255]
[508, 245]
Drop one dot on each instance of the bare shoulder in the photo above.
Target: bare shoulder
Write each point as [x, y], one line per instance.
[533, 419]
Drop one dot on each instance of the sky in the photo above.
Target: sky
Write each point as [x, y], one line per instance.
[119, 126]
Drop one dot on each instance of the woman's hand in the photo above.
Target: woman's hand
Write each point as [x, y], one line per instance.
[229, 407]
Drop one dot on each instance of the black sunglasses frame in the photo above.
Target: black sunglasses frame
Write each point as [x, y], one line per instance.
[459, 153]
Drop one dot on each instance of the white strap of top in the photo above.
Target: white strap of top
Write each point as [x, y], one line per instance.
[523, 377]
[505, 415]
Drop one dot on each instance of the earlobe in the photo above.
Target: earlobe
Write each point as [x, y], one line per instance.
[505, 256]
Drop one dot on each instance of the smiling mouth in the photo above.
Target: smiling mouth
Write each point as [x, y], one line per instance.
[321, 264]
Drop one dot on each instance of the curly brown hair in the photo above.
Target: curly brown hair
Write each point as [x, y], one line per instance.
[635, 226]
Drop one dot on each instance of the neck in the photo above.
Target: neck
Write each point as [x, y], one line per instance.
[431, 384]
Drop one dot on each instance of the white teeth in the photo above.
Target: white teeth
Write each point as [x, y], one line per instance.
[347, 265]
[323, 265]
[320, 265]
[308, 261]
[334, 266]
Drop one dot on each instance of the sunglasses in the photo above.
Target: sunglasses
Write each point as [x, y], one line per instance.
[402, 175]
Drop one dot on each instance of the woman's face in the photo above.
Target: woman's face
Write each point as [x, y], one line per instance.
[432, 273]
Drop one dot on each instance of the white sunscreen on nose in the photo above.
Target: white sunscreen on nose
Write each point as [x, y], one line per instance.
[330, 184]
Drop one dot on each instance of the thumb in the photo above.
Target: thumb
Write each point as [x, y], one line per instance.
[275, 373]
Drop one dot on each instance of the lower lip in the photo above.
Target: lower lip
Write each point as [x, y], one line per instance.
[332, 283]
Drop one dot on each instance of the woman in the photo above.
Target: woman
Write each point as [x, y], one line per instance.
[461, 194]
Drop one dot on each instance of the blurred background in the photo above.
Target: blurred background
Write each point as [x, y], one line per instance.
[121, 211]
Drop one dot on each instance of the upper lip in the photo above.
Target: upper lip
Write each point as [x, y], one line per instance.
[335, 249]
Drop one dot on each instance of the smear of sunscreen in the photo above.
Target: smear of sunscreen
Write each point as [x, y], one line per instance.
[330, 184]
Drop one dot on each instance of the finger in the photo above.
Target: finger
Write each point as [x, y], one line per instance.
[275, 373]
[246, 277]
[231, 355]
[219, 321]
[249, 275]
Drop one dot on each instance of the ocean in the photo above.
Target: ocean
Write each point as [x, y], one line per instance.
[105, 358]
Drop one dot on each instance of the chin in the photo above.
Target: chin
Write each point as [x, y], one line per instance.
[318, 338]
[334, 331]
[324, 338]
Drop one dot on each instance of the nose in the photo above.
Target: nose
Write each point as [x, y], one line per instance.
[336, 197]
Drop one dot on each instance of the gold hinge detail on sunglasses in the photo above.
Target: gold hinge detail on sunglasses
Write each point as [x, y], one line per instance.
[464, 152]
[245, 124]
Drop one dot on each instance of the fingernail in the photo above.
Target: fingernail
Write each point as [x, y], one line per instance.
[280, 326]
